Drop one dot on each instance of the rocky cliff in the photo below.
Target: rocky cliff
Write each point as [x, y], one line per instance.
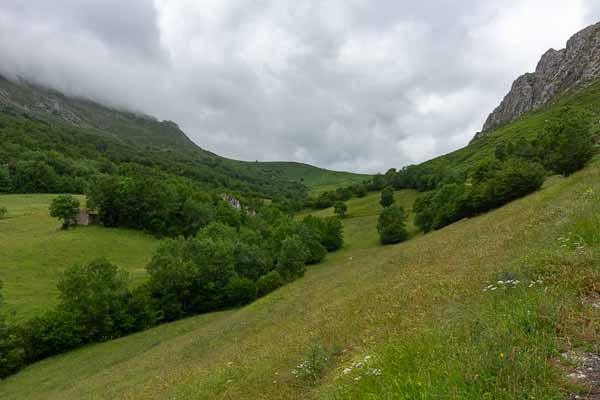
[557, 71]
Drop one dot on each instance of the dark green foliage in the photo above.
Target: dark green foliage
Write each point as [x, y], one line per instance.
[189, 276]
[45, 155]
[566, 144]
[96, 295]
[11, 353]
[331, 228]
[196, 215]
[268, 283]
[387, 197]
[340, 209]
[94, 306]
[391, 225]
[65, 207]
[291, 262]
[240, 291]
[359, 190]
[492, 185]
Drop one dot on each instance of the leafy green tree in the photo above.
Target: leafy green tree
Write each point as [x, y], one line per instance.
[268, 283]
[5, 182]
[340, 209]
[189, 276]
[392, 225]
[291, 263]
[196, 215]
[240, 291]
[360, 190]
[96, 295]
[387, 197]
[566, 144]
[332, 231]
[515, 179]
[11, 353]
[65, 207]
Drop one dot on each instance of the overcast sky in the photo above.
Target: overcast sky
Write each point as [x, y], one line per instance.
[358, 85]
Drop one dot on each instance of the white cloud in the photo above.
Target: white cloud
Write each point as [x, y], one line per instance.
[355, 85]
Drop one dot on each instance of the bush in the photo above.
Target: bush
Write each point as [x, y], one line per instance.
[387, 197]
[11, 353]
[268, 283]
[96, 296]
[392, 225]
[188, 276]
[566, 144]
[291, 263]
[3, 212]
[331, 228]
[240, 291]
[340, 209]
[65, 207]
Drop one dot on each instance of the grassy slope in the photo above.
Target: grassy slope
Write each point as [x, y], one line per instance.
[315, 178]
[528, 126]
[362, 298]
[33, 250]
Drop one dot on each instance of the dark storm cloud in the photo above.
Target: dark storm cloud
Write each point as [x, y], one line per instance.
[349, 84]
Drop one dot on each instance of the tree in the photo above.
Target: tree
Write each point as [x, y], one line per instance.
[268, 283]
[11, 353]
[340, 209]
[387, 197]
[566, 144]
[291, 264]
[240, 291]
[96, 295]
[391, 225]
[65, 207]
[332, 231]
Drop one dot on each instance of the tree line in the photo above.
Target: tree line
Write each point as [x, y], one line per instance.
[228, 262]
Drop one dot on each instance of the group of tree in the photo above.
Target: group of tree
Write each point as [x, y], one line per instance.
[221, 266]
[391, 224]
[39, 156]
[513, 171]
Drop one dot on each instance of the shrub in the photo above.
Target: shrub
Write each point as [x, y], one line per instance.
[240, 291]
[11, 353]
[268, 283]
[340, 209]
[291, 263]
[387, 197]
[188, 276]
[65, 207]
[391, 225]
[331, 228]
[3, 212]
[96, 296]
[566, 144]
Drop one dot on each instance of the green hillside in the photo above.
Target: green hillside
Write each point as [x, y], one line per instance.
[78, 138]
[33, 250]
[316, 179]
[415, 310]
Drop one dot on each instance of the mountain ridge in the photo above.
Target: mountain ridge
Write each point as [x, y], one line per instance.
[556, 72]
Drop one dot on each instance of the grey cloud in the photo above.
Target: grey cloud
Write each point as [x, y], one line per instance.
[344, 84]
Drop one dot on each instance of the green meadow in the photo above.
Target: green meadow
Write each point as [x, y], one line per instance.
[417, 320]
[34, 250]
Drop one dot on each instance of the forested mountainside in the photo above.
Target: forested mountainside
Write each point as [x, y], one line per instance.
[55, 143]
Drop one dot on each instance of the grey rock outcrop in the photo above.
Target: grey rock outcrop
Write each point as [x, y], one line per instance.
[556, 72]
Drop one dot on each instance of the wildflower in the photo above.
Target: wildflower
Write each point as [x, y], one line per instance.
[374, 372]
[501, 355]
[346, 371]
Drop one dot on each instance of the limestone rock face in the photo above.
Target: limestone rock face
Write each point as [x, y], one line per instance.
[557, 71]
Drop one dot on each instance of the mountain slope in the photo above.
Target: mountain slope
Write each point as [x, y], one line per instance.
[556, 72]
[360, 301]
[40, 120]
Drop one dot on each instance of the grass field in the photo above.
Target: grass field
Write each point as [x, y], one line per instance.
[409, 321]
[316, 179]
[34, 250]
